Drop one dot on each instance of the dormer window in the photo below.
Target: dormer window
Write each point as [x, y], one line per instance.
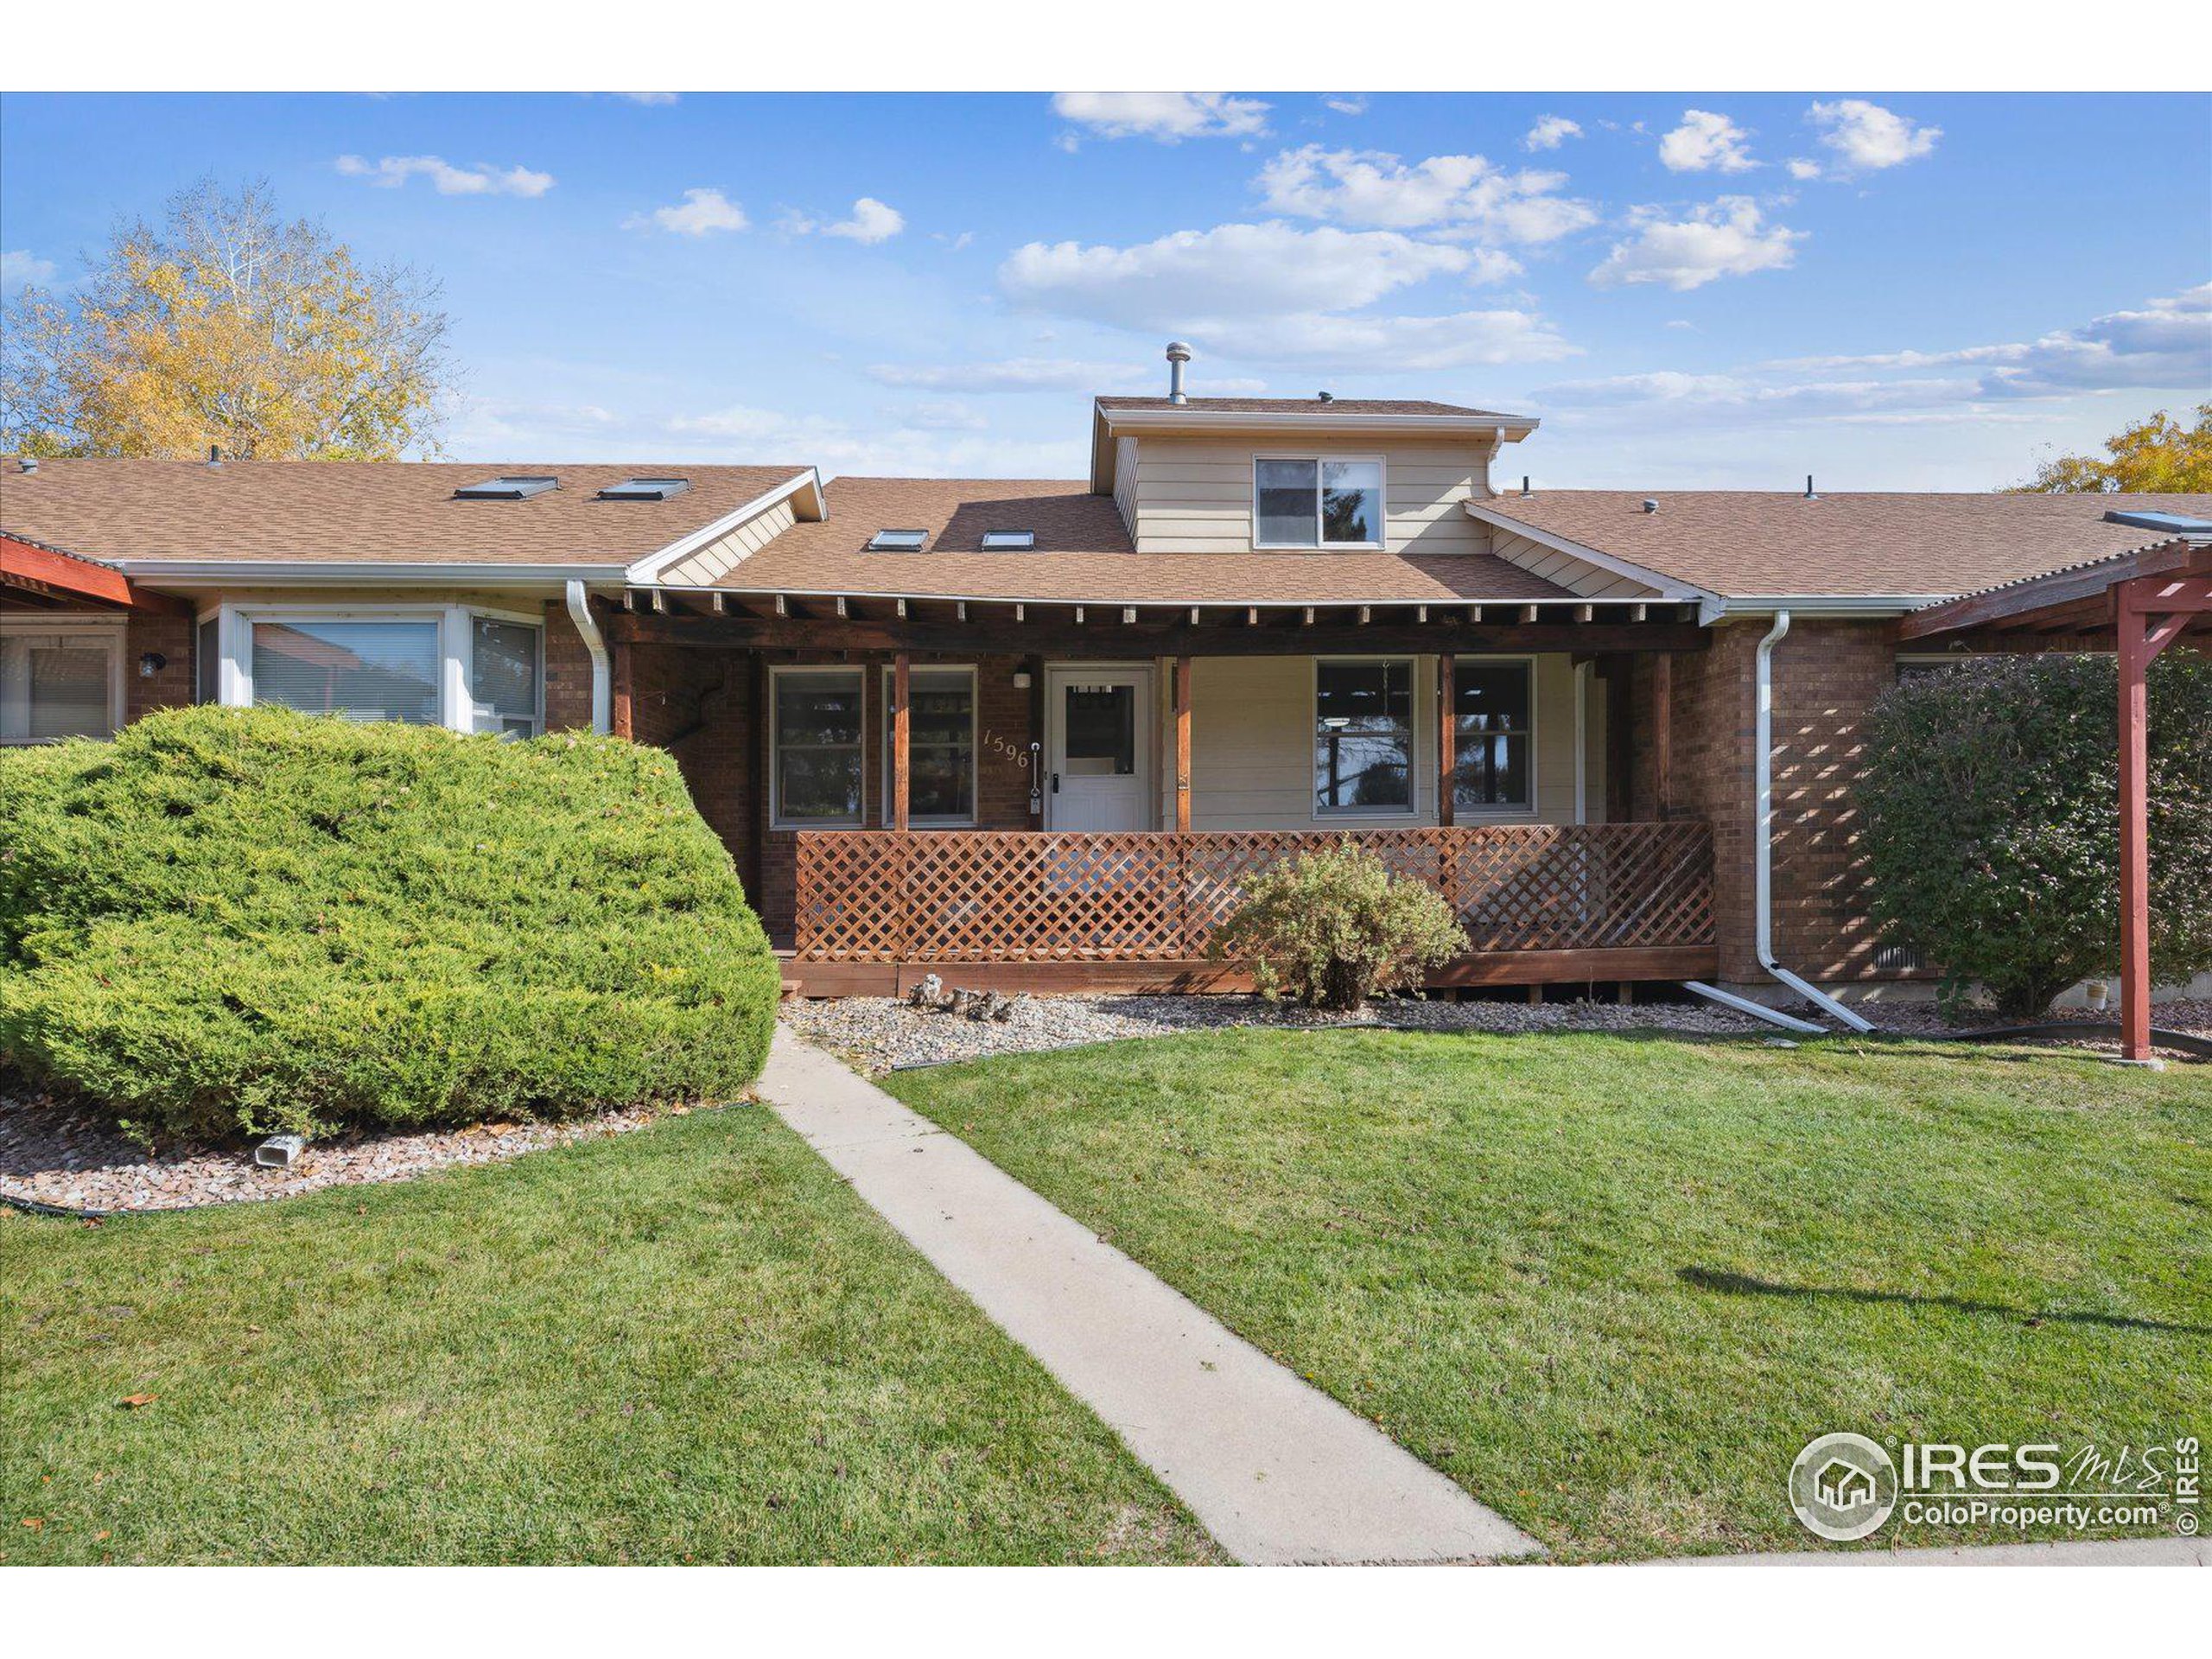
[1009, 541]
[897, 541]
[1316, 501]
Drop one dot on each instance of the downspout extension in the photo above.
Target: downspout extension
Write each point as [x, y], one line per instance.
[1763, 844]
[602, 678]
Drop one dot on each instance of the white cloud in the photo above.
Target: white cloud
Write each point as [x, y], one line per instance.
[939, 415]
[482, 178]
[649, 99]
[1382, 345]
[1801, 168]
[699, 214]
[871, 221]
[1347, 105]
[1005, 374]
[1169, 118]
[1706, 143]
[1550, 132]
[1365, 187]
[1727, 238]
[20, 268]
[1869, 137]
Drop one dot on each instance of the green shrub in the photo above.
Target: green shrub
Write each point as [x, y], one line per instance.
[1334, 928]
[1992, 824]
[250, 920]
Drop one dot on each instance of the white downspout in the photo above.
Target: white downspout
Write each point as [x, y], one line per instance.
[602, 679]
[1762, 846]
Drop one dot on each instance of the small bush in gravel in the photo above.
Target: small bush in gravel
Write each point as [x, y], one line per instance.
[252, 920]
[1334, 928]
[1991, 829]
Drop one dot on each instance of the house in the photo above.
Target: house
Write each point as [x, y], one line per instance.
[1034, 733]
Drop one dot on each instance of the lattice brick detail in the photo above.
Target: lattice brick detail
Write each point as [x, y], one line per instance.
[960, 895]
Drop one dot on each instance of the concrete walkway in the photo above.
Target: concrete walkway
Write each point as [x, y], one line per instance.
[1275, 1470]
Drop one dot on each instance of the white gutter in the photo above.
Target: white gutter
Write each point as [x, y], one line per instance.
[1435, 601]
[1762, 846]
[648, 570]
[1862, 605]
[1319, 416]
[602, 679]
[326, 573]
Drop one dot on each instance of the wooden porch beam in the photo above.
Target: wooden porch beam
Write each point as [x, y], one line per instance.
[1662, 737]
[1182, 745]
[622, 719]
[1447, 736]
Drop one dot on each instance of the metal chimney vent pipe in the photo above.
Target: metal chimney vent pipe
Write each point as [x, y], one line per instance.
[1650, 505]
[1177, 355]
[214, 456]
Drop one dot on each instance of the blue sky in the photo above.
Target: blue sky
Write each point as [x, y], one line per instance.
[1907, 291]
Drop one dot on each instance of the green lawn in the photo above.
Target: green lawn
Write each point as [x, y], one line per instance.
[690, 1342]
[1613, 1284]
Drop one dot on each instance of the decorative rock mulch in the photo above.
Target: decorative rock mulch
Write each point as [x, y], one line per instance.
[67, 1157]
[880, 1035]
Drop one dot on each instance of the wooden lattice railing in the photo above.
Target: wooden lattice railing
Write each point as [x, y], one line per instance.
[971, 895]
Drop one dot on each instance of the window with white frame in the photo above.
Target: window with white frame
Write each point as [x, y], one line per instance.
[1317, 501]
[207, 659]
[60, 679]
[940, 744]
[475, 670]
[816, 718]
[1493, 733]
[1363, 735]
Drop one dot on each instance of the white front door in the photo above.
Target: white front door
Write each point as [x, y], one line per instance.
[1098, 748]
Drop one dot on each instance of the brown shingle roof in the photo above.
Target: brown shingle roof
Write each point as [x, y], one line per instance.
[1746, 543]
[1083, 556]
[1310, 406]
[399, 513]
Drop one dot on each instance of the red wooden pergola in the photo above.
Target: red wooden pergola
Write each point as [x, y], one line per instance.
[2136, 604]
[33, 575]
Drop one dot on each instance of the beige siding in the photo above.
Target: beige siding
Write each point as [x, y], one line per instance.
[1125, 481]
[1194, 495]
[718, 558]
[1252, 747]
[1576, 575]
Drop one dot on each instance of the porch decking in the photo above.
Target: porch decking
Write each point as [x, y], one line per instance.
[876, 910]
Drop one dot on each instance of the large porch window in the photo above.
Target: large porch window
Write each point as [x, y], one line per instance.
[940, 745]
[60, 682]
[817, 717]
[1493, 719]
[1363, 734]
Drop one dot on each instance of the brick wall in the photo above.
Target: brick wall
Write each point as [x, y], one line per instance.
[568, 672]
[1826, 676]
[171, 687]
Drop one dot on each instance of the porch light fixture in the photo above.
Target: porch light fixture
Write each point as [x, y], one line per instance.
[897, 541]
[151, 663]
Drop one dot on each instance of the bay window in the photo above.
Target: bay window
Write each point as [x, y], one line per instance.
[1363, 735]
[452, 665]
[817, 717]
[505, 684]
[359, 671]
[940, 745]
[1315, 501]
[1493, 727]
[60, 679]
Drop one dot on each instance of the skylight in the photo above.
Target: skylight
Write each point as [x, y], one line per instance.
[897, 541]
[645, 489]
[1008, 541]
[2179, 523]
[518, 487]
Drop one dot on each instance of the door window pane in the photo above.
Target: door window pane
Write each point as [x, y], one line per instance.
[357, 670]
[1492, 707]
[940, 744]
[55, 685]
[1351, 501]
[818, 723]
[1363, 735]
[1101, 731]
[1283, 492]
[503, 676]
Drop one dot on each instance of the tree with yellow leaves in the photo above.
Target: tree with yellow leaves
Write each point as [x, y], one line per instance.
[2158, 455]
[226, 327]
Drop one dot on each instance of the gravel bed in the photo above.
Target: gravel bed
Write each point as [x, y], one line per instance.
[880, 1035]
[65, 1156]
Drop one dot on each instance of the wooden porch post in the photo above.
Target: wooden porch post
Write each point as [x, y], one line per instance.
[1662, 736]
[621, 718]
[1447, 738]
[901, 778]
[1183, 745]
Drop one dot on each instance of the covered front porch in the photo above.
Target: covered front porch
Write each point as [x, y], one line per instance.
[1056, 799]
